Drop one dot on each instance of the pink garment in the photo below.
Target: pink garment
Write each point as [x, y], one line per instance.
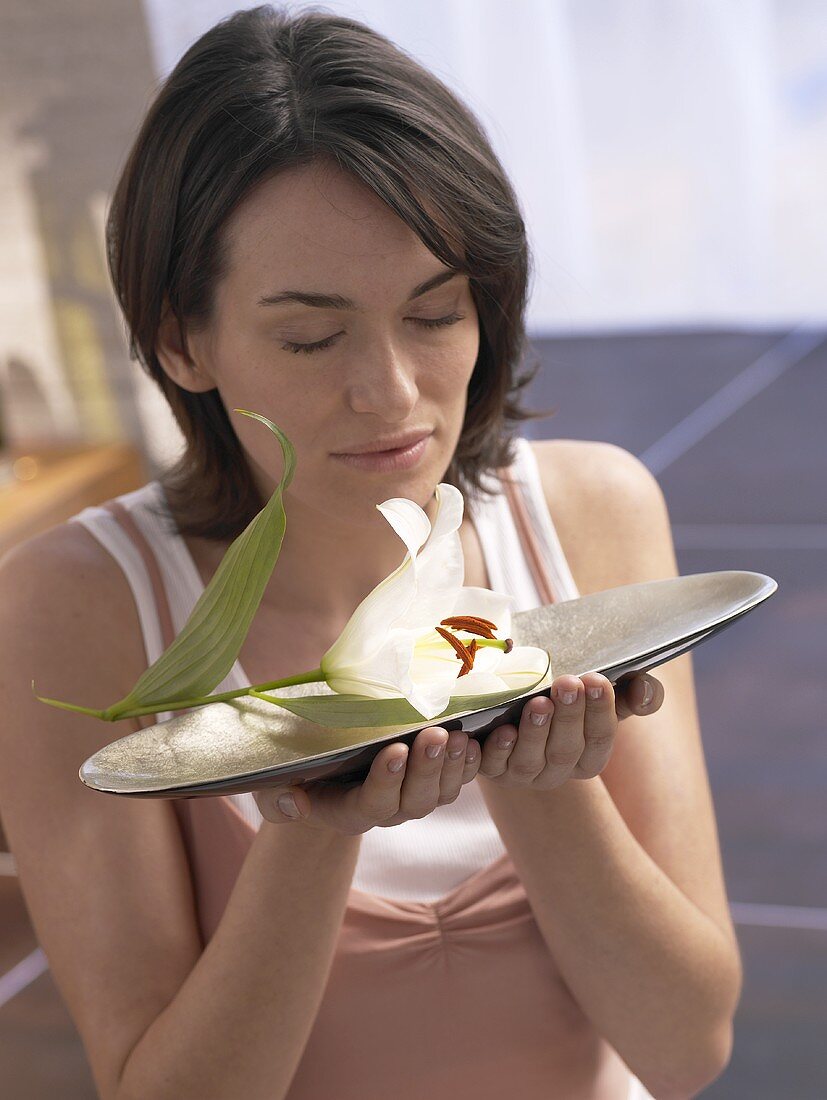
[445, 1000]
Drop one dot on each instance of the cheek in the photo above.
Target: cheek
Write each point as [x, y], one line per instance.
[470, 347]
[452, 366]
[296, 408]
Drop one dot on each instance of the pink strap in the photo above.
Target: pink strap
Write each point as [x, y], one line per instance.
[534, 553]
[151, 562]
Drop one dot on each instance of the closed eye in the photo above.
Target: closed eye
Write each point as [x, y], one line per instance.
[436, 322]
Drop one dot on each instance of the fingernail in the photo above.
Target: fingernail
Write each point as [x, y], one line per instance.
[505, 741]
[538, 717]
[568, 696]
[595, 692]
[648, 693]
[434, 750]
[396, 764]
[287, 805]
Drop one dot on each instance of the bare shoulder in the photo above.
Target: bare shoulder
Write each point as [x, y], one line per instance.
[65, 576]
[67, 543]
[63, 556]
[609, 512]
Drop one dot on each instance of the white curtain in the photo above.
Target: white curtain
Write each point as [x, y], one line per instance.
[670, 156]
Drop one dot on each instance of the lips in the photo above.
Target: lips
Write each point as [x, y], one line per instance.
[399, 444]
[400, 458]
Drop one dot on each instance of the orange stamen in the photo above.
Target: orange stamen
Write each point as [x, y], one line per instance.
[470, 650]
[470, 623]
[458, 648]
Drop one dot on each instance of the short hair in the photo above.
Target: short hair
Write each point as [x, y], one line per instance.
[265, 90]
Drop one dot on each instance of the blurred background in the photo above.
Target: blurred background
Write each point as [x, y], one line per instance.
[671, 160]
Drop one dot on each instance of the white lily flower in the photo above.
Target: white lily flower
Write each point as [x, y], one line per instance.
[392, 645]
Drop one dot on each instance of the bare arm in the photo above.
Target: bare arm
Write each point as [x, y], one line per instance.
[623, 871]
[106, 880]
[239, 1023]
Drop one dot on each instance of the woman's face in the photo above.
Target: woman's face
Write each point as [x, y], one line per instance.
[381, 370]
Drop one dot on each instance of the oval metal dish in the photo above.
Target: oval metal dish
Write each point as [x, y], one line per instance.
[228, 748]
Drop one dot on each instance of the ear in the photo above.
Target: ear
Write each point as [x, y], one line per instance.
[176, 359]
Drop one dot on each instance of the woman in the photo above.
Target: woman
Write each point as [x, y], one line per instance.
[311, 226]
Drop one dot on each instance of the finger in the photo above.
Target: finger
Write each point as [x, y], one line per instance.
[451, 777]
[496, 751]
[473, 757]
[471, 765]
[566, 742]
[354, 808]
[633, 696]
[267, 806]
[528, 757]
[282, 804]
[599, 728]
[420, 788]
[377, 799]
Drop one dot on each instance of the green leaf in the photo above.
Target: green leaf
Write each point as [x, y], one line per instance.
[207, 647]
[344, 711]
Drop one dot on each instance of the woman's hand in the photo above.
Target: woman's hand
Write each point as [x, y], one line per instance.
[574, 742]
[575, 738]
[384, 797]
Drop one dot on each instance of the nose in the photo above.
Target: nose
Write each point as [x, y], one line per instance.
[383, 382]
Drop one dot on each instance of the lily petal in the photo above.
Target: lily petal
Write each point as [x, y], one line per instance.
[432, 675]
[519, 668]
[409, 521]
[440, 577]
[440, 565]
[430, 698]
[487, 659]
[388, 604]
[450, 507]
[380, 674]
[486, 604]
[367, 628]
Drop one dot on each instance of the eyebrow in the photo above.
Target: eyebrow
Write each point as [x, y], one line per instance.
[336, 301]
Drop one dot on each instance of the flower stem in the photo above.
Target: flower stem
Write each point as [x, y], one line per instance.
[311, 677]
[315, 675]
[114, 714]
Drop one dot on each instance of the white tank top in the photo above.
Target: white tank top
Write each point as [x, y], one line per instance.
[421, 859]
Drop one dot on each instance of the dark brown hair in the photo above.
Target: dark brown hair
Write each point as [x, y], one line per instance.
[264, 90]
